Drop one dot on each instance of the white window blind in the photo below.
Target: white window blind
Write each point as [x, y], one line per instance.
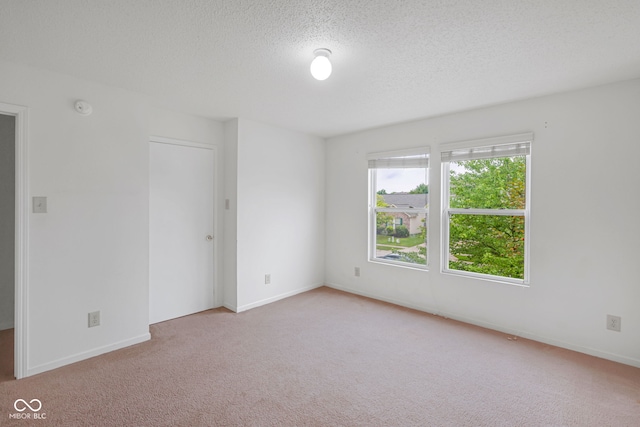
[487, 152]
[399, 163]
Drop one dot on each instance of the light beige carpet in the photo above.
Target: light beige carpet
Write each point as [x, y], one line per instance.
[327, 358]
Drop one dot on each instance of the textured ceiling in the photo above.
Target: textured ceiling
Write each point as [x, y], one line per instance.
[393, 61]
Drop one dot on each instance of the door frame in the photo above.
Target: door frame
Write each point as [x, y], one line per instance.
[21, 251]
[216, 241]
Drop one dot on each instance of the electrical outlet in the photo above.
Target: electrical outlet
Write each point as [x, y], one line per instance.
[357, 271]
[267, 279]
[613, 323]
[94, 319]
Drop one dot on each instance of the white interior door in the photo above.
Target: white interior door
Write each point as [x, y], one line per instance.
[180, 230]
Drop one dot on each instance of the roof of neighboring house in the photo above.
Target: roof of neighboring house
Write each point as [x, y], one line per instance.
[406, 200]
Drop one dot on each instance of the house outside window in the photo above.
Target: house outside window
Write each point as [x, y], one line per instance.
[486, 208]
[398, 207]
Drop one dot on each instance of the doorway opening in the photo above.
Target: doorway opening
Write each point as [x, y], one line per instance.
[14, 248]
[7, 244]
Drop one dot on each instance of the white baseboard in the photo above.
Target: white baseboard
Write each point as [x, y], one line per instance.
[230, 307]
[546, 340]
[87, 354]
[275, 298]
[430, 310]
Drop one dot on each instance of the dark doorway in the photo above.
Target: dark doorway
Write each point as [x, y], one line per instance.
[7, 243]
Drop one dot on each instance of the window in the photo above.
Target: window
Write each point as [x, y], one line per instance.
[398, 207]
[486, 208]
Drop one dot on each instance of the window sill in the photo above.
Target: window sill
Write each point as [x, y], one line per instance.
[416, 267]
[487, 278]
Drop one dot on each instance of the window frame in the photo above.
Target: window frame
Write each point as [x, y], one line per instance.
[447, 211]
[374, 209]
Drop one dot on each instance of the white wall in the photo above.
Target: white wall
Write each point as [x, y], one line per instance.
[280, 213]
[186, 127]
[7, 221]
[584, 226]
[90, 251]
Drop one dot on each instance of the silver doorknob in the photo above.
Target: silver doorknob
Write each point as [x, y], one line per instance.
[209, 237]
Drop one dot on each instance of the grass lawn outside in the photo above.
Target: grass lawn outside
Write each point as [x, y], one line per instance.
[406, 242]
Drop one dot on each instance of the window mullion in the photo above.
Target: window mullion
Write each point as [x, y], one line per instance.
[496, 212]
[417, 210]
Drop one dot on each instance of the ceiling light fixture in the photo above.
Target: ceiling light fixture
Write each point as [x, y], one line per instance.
[321, 66]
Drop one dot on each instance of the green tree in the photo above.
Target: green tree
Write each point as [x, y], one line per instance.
[382, 218]
[383, 191]
[423, 235]
[489, 244]
[420, 189]
[380, 201]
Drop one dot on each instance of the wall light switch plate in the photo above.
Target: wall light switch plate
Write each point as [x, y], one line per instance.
[39, 204]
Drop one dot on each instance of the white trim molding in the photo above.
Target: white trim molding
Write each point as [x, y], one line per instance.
[275, 298]
[88, 354]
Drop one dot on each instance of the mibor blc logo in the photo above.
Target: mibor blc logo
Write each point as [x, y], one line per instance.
[28, 410]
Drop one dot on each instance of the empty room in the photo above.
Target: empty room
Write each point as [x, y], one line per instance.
[319, 213]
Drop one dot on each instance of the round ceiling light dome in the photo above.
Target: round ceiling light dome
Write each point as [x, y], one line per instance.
[321, 66]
